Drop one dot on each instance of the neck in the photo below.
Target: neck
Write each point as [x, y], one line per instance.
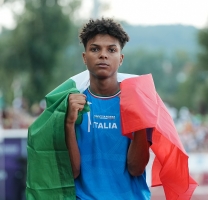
[105, 87]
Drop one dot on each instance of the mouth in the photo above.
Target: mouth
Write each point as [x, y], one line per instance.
[103, 64]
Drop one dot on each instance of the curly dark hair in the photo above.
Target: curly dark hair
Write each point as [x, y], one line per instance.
[103, 26]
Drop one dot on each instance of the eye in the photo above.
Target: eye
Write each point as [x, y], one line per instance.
[112, 50]
[94, 49]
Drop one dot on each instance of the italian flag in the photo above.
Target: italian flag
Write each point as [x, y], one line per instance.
[49, 173]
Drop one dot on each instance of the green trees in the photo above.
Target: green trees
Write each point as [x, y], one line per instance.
[194, 91]
[203, 71]
[32, 50]
[43, 51]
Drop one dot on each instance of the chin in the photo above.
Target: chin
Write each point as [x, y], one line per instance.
[103, 74]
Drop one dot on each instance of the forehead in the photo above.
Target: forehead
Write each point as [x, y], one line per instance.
[103, 40]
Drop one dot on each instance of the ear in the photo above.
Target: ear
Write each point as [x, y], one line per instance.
[121, 59]
[84, 58]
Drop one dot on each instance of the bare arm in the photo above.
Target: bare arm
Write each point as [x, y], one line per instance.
[75, 103]
[138, 153]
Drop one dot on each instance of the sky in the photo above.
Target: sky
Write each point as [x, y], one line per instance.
[135, 12]
[155, 12]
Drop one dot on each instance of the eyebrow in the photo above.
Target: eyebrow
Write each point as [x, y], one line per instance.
[111, 45]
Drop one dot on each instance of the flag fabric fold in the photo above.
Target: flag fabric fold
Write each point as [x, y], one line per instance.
[49, 173]
[141, 107]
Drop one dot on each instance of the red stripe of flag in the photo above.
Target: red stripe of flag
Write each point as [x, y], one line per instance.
[141, 107]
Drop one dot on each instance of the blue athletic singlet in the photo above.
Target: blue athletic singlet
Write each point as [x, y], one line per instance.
[103, 149]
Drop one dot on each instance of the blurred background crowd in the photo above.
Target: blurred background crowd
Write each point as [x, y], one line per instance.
[192, 128]
[39, 49]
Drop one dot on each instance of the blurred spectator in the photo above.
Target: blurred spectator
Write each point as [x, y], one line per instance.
[15, 119]
[7, 118]
[193, 131]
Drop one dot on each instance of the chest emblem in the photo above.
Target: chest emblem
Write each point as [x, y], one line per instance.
[104, 125]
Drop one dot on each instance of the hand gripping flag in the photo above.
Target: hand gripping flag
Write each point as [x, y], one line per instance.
[141, 107]
[49, 173]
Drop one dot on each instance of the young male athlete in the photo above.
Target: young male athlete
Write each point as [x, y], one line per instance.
[105, 164]
[79, 147]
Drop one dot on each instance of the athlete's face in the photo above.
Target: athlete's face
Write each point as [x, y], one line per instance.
[103, 56]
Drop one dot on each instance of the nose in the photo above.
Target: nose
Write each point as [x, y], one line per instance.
[103, 54]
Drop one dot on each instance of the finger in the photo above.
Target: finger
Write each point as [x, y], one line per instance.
[78, 102]
[78, 95]
[77, 98]
[75, 107]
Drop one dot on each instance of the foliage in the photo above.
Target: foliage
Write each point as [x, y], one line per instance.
[203, 71]
[43, 51]
[6, 75]
[194, 91]
[167, 38]
[43, 32]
